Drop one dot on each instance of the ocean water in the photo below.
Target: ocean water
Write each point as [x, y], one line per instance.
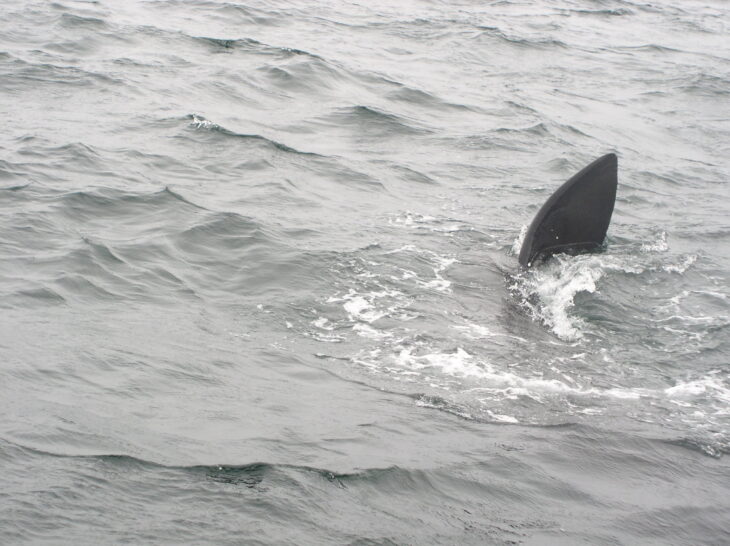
[259, 282]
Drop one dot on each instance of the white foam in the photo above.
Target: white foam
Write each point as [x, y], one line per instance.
[681, 267]
[440, 264]
[439, 283]
[362, 307]
[357, 306]
[462, 364]
[712, 385]
[326, 337]
[406, 274]
[695, 320]
[517, 245]
[459, 363]
[473, 380]
[478, 331]
[411, 219]
[323, 323]
[556, 285]
[442, 285]
[549, 291]
[475, 331]
[202, 123]
[499, 418]
[404, 248]
[365, 330]
[660, 245]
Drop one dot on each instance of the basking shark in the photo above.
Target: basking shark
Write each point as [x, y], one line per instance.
[576, 217]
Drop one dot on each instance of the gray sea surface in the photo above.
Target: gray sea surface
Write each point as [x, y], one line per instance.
[259, 281]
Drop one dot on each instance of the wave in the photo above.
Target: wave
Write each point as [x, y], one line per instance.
[309, 76]
[73, 21]
[228, 11]
[701, 445]
[106, 203]
[335, 172]
[411, 95]
[199, 122]
[26, 297]
[609, 12]
[375, 122]
[521, 41]
[221, 232]
[20, 75]
[248, 474]
[251, 45]
[10, 171]
[122, 245]
[523, 138]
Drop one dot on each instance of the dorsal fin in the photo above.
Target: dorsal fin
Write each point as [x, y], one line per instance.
[576, 217]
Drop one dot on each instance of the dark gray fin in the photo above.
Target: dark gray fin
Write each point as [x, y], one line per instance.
[575, 218]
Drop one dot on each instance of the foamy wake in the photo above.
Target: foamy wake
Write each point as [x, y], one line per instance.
[548, 291]
[483, 380]
[365, 306]
[701, 402]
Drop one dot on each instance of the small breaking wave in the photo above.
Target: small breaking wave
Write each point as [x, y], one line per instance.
[199, 122]
[375, 122]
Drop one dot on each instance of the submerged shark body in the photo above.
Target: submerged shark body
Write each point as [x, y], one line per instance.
[576, 217]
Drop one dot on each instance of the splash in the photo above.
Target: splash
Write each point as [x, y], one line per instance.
[517, 245]
[549, 291]
[199, 122]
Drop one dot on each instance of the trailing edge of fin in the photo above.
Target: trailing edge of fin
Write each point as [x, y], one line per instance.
[576, 217]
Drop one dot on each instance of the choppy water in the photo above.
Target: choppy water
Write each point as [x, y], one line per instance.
[259, 284]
